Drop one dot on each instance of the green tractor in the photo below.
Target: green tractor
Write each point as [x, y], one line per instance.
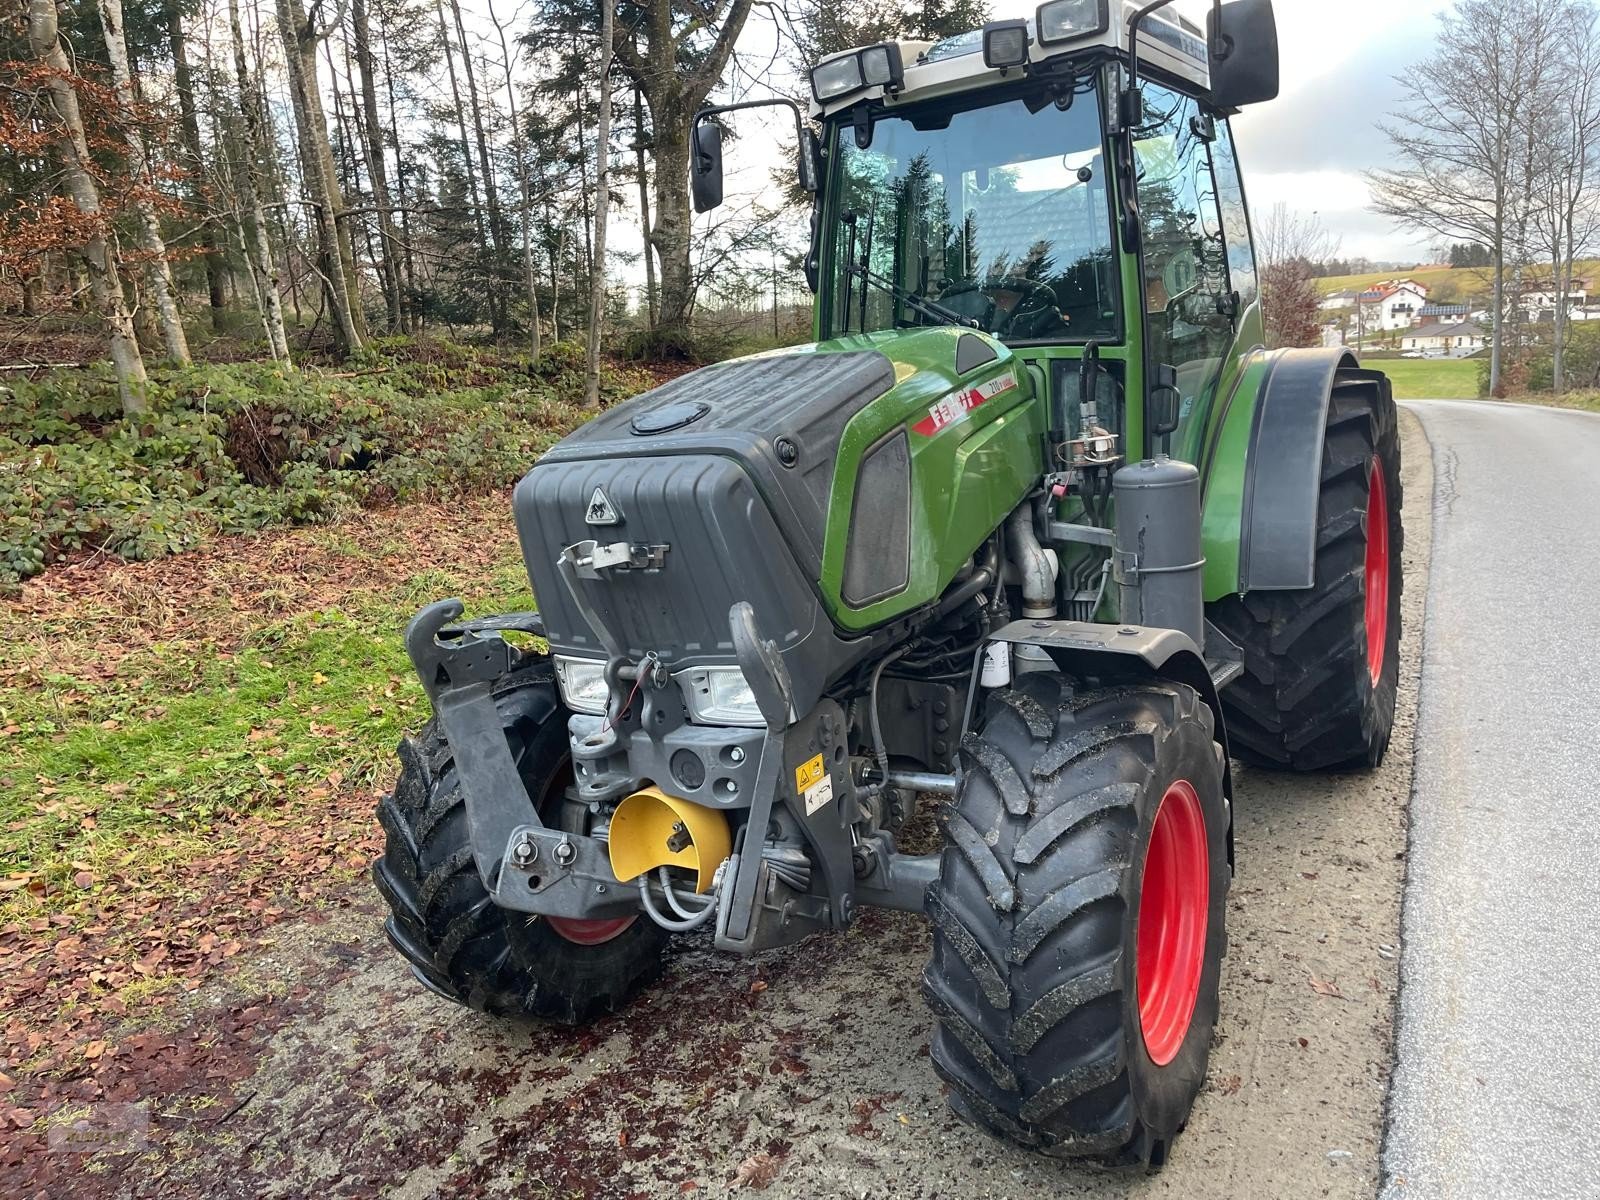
[1036, 525]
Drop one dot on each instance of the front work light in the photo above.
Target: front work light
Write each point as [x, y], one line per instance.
[875, 66]
[583, 684]
[1005, 43]
[720, 696]
[1068, 20]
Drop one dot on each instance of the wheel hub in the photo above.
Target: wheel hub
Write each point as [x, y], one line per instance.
[1377, 570]
[586, 931]
[1174, 904]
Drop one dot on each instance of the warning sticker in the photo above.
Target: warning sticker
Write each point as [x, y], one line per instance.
[818, 795]
[955, 408]
[808, 774]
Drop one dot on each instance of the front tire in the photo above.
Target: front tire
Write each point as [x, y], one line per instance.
[1078, 918]
[1322, 665]
[443, 921]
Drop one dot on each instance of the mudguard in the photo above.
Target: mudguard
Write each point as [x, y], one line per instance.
[1080, 648]
[1269, 505]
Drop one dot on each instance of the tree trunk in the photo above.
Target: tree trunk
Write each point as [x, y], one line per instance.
[335, 257]
[258, 246]
[530, 273]
[79, 180]
[602, 203]
[377, 169]
[466, 155]
[408, 296]
[158, 271]
[671, 233]
[189, 129]
[644, 209]
[498, 237]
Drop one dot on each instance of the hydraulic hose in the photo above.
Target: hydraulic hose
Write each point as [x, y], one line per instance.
[693, 921]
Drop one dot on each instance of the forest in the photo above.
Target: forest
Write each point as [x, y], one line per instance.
[265, 260]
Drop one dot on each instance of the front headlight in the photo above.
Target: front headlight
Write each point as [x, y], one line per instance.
[1067, 20]
[583, 684]
[720, 696]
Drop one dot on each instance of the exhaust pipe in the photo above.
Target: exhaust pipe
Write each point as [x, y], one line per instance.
[1038, 577]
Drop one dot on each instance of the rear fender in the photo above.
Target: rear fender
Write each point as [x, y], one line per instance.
[1081, 649]
[1263, 471]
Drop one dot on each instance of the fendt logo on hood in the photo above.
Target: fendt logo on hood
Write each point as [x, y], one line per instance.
[955, 408]
[601, 511]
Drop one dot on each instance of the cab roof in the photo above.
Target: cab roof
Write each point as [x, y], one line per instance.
[1172, 43]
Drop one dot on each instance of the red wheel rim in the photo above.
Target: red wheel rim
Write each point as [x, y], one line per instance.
[585, 931]
[1174, 905]
[1377, 570]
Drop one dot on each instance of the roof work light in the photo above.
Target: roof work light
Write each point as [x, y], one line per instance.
[1062, 21]
[1005, 43]
[875, 66]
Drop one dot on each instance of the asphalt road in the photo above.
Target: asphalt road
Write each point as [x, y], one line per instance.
[1497, 1089]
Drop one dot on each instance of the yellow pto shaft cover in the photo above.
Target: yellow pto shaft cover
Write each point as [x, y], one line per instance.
[651, 829]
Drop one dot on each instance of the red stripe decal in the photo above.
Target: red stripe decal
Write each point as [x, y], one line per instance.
[955, 408]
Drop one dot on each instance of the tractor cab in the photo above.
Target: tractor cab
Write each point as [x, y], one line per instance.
[1065, 184]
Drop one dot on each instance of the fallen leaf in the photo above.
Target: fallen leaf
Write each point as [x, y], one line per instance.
[758, 1171]
[1325, 987]
[84, 879]
[94, 1049]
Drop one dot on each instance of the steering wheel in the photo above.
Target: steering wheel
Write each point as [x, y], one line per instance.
[1031, 289]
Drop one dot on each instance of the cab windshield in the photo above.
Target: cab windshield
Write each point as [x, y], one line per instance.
[995, 217]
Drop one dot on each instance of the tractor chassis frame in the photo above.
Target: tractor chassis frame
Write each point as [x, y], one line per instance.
[531, 867]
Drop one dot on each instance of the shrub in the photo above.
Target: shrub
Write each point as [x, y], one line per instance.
[227, 448]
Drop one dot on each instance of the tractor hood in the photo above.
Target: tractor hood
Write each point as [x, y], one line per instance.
[833, 486]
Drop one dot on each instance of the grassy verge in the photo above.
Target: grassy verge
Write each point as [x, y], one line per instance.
[191, 749]
[1582, 401]
[1430, 378]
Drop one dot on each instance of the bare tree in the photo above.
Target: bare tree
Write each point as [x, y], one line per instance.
[335, 257]
[1461, 134]
[1291, 245]
[530, 275]
[189, 134]
[258, 244]
[77, 173]
[602, 203]
[1566, 207]
[377, 169]
[157, 270]
[674, 52]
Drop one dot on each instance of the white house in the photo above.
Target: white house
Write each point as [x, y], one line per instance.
[1392, 305]
[1443, 341]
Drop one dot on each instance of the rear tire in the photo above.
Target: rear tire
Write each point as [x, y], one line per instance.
[1322, 665]
[442, 919]
[1078, 918]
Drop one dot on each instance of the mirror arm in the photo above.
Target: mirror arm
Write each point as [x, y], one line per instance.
[705, 114]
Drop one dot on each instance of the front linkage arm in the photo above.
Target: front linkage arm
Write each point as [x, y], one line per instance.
[517, 856]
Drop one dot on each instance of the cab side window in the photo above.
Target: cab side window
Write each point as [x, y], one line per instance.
[1235, 218]
[1188, 320]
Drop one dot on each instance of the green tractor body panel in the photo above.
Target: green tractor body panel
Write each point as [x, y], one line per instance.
[974, 443]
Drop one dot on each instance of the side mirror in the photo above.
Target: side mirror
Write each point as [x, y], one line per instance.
[1243, 40]
[1161, 412]
[810, 161]
[705, 166]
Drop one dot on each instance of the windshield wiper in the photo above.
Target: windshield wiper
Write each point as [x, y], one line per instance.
[928, 308]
